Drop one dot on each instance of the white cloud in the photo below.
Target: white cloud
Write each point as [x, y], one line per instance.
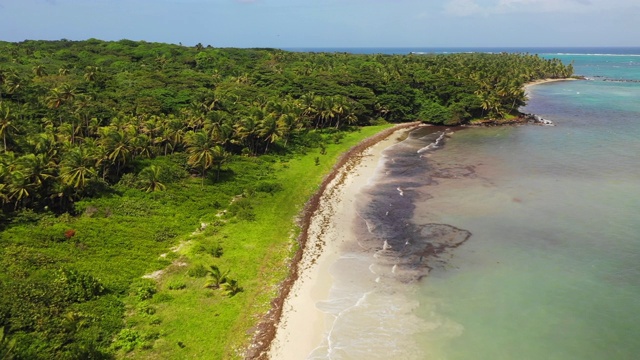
[463, 7]
[477, 7]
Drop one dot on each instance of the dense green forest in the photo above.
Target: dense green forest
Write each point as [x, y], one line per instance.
[112, 152]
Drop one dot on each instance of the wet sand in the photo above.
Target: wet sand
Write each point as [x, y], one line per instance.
[294, 327]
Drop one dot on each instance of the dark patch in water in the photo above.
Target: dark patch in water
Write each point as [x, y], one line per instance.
[387, 207]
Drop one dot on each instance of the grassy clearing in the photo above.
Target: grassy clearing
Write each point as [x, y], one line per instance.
[118, 238]
[184, 319]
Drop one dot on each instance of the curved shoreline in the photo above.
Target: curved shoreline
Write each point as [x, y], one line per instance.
[266, 330]
[544, 81]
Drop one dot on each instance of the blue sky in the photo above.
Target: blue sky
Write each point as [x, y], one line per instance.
[328, 23]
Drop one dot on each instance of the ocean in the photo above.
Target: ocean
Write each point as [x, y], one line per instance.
[515, 242]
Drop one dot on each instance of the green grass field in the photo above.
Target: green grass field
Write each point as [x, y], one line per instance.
[198, 322]
[250, 232]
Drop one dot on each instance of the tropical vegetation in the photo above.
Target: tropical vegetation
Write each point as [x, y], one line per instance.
[112, 153]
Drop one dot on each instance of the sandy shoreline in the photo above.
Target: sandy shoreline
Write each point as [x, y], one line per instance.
[543, 81]
[294, 327]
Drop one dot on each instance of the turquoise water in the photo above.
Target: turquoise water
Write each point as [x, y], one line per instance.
[551, 269]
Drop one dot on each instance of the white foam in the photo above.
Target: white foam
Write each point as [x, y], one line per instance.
[433, 145]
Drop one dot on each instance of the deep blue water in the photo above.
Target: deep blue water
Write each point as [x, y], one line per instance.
[446, 50]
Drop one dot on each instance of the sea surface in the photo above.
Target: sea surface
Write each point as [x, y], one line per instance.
[516, 242]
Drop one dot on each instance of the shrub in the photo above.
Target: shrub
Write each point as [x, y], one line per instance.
[75, 286]
[145, 309]
[176, 285]
[269, 187]
[242, 209]
[144, 289]
[216, 250]
[164, 234]
[197, 271]
[127, 340]
[246, 215]
[55, 233]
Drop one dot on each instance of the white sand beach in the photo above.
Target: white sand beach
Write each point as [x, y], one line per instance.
[302, 326]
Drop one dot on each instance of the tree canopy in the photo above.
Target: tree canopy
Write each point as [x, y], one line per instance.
[88, 109]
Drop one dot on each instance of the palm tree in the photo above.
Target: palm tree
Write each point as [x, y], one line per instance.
[247, 130]
[99, 153]
[67, 92]
[6, 345]
[214, 122]
[307, 102]
[4, 194]
[39, 70]
[220, 157]
[90, 73]
[43, 143]
[324, 111]
[77, 168]
[142, 146]
[150, 179]
[83, 112]
[269, 130]
[118, 144]
[3, 78]
[19, 188]
[6, 124]
[37, 168]
[215, 277]
[12, 82]
[60, 96]
[231, 287]
[287, 123]
[201, 151]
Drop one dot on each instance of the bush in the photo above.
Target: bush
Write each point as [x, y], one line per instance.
[76, 286]
[164, 234]
[127, 340]
[242, 209]
[216, 250]
[145, 309]
[269, 187]
[128, 181]
[55, 233]
[197, 271]
[26, 216]
[337, 137]
[176, 285]
[144, 289]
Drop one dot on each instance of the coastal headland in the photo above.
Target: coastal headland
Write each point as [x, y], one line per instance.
[326, 222]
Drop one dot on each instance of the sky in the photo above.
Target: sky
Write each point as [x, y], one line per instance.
[329, 23]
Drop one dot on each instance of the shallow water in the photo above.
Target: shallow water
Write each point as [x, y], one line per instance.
[551, 269]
